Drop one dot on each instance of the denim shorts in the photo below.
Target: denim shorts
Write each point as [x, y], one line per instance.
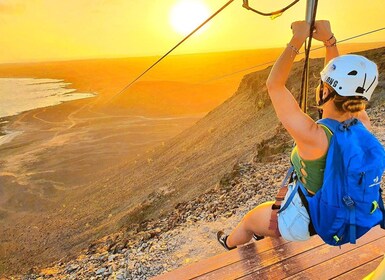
[293, 222]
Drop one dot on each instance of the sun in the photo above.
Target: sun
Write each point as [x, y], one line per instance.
[186, 15]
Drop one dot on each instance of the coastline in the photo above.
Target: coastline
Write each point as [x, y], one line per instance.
[8, 136]
[20, 95]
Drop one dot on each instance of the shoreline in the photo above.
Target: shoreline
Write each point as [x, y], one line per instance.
[58, 93]
[63, 94]
[8, 136]
[31, 94]
[4, 134]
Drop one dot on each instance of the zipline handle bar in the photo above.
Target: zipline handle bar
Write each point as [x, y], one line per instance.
[309, 10]
[279, 12]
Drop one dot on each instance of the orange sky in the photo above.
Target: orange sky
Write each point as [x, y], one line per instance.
[41, 30]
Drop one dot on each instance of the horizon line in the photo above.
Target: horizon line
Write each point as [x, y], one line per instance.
[58, 60]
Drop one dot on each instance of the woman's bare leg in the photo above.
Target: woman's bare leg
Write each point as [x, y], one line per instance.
[256, 221]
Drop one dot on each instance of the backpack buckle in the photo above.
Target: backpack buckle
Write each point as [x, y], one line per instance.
[347, 124]
[348, 201]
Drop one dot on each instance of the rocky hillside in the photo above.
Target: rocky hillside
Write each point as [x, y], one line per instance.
[144, 197]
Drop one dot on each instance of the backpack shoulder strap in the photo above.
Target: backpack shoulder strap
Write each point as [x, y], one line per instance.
[328, 132]
[335, 125]
[331, 124]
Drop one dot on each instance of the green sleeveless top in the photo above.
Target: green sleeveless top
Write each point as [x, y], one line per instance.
[310, 172]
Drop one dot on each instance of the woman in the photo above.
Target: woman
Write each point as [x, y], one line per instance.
[338, 101]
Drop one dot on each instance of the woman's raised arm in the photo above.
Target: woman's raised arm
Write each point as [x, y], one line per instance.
[309, 137]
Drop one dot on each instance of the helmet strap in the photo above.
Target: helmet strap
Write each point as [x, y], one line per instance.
[320, 113]
[322, 100]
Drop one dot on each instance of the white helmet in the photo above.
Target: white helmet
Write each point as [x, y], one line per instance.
[351, 75]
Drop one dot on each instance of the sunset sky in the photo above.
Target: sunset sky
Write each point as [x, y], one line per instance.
[42, 30]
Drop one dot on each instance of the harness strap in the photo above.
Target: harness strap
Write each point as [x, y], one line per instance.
[289, 199]
[274, 222]
[278, 201]
[303, 193]
[280, 197]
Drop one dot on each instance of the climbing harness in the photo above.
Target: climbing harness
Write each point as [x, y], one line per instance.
[279, 198]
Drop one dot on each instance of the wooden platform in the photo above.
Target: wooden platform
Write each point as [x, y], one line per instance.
[278, 259]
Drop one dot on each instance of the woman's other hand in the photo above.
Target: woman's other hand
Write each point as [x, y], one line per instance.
[322, 30]
[301, 30]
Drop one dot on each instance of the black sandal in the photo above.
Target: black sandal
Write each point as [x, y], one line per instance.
[222, 238]
[258, 237]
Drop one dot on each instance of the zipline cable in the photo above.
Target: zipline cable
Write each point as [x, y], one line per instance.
[273, 61]
[357, 36]
[305, 72]
[177, 45]
[245, 5]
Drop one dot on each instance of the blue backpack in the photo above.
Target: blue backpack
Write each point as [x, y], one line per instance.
[349, 202]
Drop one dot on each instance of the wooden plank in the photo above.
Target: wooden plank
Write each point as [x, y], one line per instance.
[307, 259]
[258, 261]
[361, 271]
[224, 259]
[276, 259]
[343, 263]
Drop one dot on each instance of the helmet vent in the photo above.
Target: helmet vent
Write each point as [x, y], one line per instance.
[360, 90]
[353, 73]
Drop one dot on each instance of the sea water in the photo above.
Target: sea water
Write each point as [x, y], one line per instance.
[23, 94]
[20, 95]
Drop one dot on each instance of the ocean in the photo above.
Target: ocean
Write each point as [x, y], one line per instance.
[18, 95]
[23, 94]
